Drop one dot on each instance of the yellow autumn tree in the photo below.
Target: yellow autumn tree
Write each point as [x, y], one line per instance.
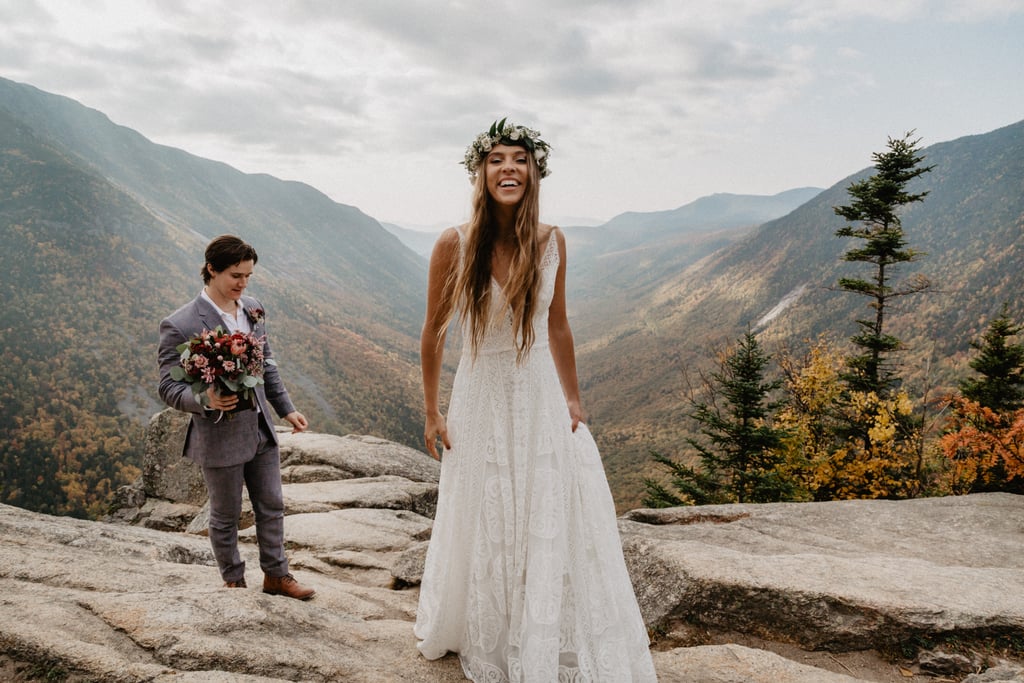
[879, 450]
[844, 443]
[809, 416]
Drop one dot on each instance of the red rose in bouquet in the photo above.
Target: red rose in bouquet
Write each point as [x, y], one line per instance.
[233, 362]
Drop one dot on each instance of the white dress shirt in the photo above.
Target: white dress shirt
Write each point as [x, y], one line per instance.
[237, 322]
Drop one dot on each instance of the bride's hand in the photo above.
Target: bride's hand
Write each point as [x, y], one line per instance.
[577, 414]
[435, 427]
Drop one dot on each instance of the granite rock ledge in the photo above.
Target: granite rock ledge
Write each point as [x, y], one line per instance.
[781, 593]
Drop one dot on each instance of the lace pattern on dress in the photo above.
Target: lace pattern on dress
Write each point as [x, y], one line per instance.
[499, 333]
[524, 575]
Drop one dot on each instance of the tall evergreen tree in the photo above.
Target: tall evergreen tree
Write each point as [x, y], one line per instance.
[875, 203]
[740, 462]
[1000, 362]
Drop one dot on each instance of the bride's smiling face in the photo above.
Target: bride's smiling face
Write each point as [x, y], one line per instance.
[508, 172]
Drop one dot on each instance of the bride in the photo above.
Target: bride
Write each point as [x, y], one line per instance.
[524, 576]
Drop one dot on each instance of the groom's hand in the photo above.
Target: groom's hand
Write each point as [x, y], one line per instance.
[217, 401]
[298, 421]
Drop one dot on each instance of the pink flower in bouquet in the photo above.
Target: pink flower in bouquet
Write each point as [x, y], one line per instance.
[234, 363]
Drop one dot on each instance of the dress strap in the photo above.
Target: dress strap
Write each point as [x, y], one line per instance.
[462, 243]
[550, 254]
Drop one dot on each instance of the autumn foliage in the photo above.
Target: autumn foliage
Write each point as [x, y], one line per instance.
[839, 443]
[829, 442]
[984, 439]
[985, 448]
[848, 428]
[844, 444]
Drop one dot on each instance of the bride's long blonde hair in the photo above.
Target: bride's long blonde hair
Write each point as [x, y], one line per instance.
[471, 284]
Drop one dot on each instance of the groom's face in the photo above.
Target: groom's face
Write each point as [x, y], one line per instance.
[228, 284]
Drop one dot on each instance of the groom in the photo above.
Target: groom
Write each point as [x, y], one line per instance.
[238, 447]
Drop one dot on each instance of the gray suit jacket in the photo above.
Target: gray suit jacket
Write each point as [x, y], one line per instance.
[209, 442]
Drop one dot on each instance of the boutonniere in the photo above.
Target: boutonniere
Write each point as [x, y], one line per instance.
[255, 315]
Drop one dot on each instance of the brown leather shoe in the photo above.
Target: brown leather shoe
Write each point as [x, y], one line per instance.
[235, 584]
[286, 585]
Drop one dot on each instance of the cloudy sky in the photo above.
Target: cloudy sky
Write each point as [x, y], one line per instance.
[647, 104]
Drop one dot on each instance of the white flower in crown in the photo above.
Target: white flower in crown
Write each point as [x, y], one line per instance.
[502, 131]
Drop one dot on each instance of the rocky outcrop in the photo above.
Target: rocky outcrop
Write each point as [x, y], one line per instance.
[789, 593]
[165, 474]
[843, 575]
[123, 603]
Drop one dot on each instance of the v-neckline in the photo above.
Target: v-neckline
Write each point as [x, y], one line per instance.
[543, 253]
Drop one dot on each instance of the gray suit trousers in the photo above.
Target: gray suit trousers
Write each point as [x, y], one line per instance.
[262, 478]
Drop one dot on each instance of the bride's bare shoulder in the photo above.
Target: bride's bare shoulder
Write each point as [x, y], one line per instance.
[545, 232]
[449, 237]
[447, 244]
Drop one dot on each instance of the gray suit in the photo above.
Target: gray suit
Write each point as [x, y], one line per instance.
[231, 451]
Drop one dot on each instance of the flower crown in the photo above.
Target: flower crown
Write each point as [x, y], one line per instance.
[505, 133]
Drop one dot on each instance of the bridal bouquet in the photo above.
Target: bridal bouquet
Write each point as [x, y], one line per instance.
[233, 361]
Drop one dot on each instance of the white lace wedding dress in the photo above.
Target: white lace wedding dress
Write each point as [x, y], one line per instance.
[524, 576]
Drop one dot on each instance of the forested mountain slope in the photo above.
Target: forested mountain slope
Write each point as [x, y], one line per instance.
[102, 234]
[613, 266]
[780, 279]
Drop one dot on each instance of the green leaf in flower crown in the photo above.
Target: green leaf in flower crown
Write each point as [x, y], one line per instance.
[178, 373]
[250, 381]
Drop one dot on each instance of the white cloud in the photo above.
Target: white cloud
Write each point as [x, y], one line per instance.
[648, 103]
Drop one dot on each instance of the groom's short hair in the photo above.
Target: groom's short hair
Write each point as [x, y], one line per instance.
[224, 252]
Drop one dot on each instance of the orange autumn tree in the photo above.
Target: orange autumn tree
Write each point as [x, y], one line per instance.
[985, 449]
[984, 439]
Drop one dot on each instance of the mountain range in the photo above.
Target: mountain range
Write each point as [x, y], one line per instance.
[102, 235]
[780, 280]
[613, 266]
[102, 232]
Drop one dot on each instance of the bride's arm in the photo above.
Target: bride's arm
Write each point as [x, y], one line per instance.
[439, 302]
[560, 338]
